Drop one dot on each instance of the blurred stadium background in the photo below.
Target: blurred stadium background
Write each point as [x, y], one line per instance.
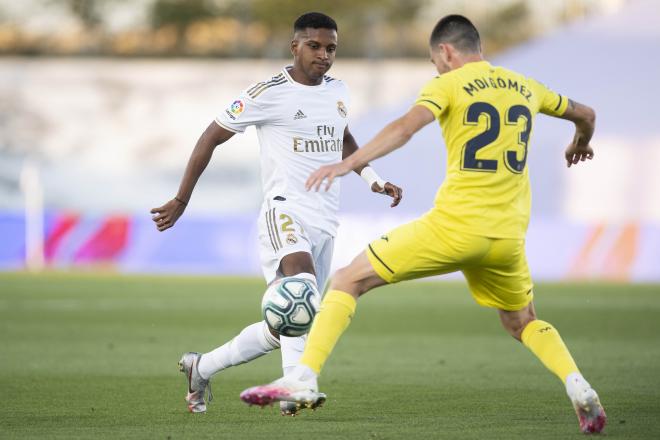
[101, 102]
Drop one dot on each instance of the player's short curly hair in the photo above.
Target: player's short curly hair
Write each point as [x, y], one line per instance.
[314, 20]
[458, 31]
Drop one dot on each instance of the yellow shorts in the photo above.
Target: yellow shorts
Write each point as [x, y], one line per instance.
[496, 269]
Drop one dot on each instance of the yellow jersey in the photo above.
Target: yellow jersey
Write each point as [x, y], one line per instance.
[486, 115]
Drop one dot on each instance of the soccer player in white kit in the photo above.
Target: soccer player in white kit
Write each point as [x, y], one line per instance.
[301, 117]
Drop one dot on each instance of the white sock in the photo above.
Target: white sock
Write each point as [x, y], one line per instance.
[303, 373]
[292, 347]
[576, 384]
[292, 350]
[254, 341]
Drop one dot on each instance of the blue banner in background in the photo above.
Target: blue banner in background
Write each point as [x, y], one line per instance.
[556, 249]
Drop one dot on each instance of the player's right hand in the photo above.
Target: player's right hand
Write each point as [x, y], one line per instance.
[168, 214]
[327, 173]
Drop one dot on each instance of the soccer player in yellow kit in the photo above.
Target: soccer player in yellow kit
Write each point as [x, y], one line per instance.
[479, 220]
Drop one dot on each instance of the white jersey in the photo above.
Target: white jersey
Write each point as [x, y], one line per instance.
[300, 128]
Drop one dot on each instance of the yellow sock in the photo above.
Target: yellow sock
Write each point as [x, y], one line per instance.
[336, 312]
[544, 341]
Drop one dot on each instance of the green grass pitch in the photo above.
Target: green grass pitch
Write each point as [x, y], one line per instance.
[94, 357]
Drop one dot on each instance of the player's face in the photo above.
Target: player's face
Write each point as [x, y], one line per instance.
[314, 51]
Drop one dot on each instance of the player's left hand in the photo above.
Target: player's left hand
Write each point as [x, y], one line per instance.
[391, 190]
[577, 151]
[328, 172]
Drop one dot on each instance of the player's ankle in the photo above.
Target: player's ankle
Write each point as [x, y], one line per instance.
[303, 373]
[574, 382]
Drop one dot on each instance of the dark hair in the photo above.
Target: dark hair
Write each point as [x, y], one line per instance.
[457, 31]
[314, 20]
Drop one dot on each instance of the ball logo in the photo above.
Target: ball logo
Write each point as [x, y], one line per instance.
[341, 109]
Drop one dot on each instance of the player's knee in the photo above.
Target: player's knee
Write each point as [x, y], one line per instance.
[298, 262]
[295, 268]
[342, 277]
[515, 324]
[346, 280]
[515, 330]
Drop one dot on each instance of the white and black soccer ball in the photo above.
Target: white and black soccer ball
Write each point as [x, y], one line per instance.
[289, 305]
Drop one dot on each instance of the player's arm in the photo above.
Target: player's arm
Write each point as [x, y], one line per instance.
[393, 136]
[350, 146]
[214, 135]
[375, 182]
[584, 118]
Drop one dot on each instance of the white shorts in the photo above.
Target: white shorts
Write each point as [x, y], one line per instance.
[283, 231]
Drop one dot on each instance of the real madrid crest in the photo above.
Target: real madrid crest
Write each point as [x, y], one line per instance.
[291, 239]
[341, 109]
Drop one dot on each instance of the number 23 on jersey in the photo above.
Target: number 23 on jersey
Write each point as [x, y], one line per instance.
[470, 160]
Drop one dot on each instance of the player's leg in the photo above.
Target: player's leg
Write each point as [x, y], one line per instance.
[503, 281]
[252, 342]
[257, 339]
[331, 321]
[411, 251]
[543, 339]
[405, 253]
[401, 254]
[301, 265]
[337, 310]
[292, 348]
[298, 264]
[277, 254]
[295, 246]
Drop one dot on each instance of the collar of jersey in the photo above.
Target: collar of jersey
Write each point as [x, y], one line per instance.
[295, 83]
[477, 63]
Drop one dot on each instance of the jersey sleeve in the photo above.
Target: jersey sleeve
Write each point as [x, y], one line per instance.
[550, 102]
[241, 113]
[435, 96]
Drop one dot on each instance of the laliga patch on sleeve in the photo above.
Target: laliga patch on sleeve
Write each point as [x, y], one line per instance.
[235, 109]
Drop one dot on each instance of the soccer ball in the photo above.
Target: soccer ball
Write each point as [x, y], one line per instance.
[289, 305]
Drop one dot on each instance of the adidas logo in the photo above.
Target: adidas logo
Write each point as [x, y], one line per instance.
[299, 115]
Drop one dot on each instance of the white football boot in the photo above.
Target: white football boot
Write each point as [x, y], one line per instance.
[301, 393]
[196, 384]
[590, 412]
